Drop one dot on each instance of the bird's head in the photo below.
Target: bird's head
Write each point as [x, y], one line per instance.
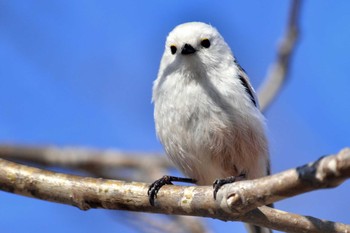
[196, 45]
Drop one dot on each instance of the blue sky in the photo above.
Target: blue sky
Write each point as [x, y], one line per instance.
[80, 73]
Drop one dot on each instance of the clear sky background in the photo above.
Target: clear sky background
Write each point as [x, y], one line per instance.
[80, 73]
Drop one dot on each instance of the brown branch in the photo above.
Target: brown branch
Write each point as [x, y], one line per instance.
[327, 172]
[81, 157]
[293, 223]
[278, 71]
[103, 163]
[232, 203]
[108, 164]
[145, 166]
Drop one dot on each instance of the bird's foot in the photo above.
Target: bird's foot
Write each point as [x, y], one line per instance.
[220, 182]
[156, 185]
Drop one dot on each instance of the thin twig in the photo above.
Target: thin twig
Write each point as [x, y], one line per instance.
[278, 71]
[77, 157]
[86, 193]
[102, 163]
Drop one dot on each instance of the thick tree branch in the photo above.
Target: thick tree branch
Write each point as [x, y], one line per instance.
[278, 71]
[109, 164]
[233, 200]
[327, 172]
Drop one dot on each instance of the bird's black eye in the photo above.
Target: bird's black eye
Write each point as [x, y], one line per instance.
[173, 49]
[205, 43]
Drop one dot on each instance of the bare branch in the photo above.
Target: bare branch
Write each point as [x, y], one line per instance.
[327, 172]
[233, 200]
[104, 163]
[278, 71]
[293, 223]
[81, 157]
[108, 164]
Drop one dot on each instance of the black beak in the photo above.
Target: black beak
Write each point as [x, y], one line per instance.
[187, 49]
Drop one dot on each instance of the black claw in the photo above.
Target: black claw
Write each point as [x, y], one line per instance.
[156, 185]
[221, 182]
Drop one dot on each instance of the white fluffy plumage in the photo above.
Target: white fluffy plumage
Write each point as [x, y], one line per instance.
[206, 112]
[204, 116]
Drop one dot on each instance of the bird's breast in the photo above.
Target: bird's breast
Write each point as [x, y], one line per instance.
[204, 132]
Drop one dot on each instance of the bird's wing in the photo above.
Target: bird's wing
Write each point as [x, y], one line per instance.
[243, 77]
[249, 89]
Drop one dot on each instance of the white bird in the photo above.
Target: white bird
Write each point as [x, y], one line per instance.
[206, 113]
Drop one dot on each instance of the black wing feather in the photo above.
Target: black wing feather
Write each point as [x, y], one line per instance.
[247, 89]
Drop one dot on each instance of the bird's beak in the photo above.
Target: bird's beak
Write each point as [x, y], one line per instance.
[187, 49]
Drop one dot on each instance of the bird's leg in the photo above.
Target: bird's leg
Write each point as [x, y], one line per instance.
[220, 182]
[156, 185]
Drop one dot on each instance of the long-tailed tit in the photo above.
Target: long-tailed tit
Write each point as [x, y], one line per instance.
[206, 112]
